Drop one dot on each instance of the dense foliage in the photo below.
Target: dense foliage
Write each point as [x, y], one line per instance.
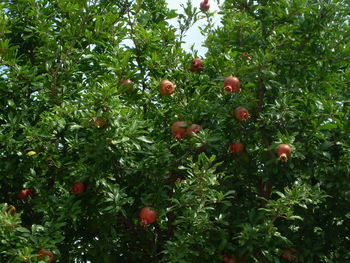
[93, 149]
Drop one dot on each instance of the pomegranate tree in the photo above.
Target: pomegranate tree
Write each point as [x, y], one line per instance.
[283, 152]
[166, 87]
[241, 113]
[148, 216]
[231, 84]
[77, 188]
[197, 65]
[236, 147]
[178, 129]
[204, 5]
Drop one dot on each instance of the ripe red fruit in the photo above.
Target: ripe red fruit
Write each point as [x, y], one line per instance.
[24, 194]
[289, 254]
[77, 188]
[166, 87]
[245, 55]
[204, 5]
[283, 152]
[46, 253]
[229, 259]
[178, 129]
[127, 83]
[236, 147]
[197, 65]
[194, 128]
[241, 113]
[231, 84]
[99, 122]
[148, 216]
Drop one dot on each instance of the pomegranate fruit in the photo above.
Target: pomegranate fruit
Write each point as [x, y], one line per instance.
[24, 194]
[148, 216]
[231, 84]
[241, 113]
[245, 55]
[178, 129]
[127, 83]
[197, 65]
[236, 147]
[204, 5]
[194, 128]
[99, 122]
[77, 188]
[289, 254]
[227, 259]
[166, 87]
[283, 152]
[46, 253]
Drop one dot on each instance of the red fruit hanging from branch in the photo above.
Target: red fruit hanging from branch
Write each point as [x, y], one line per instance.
[283, 152]
[236, 147]
[204, 5]
[197, 65]
[178, 129]
[194, 128]
[148, 216]
[166, 87]
[289, 254]
[231, 84]
[127, 83]
[24, 194]
[77, 188]
[46, 254]
[241, 113]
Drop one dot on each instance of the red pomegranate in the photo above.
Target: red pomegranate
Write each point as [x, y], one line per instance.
[148, 216]
[204, 5]
[283, 152]
[166, 87]
[245, 55]
[236, 147]
[197, 65]
[77, 188]
[241, 113]
[194, 128]
[227, 259]
[231, 84]
[24, 194]
[178, 129]
[99, 122]
[128, 83]
[289, 254]
[46, 253]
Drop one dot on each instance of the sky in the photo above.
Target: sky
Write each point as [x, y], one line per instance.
[193, 36]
